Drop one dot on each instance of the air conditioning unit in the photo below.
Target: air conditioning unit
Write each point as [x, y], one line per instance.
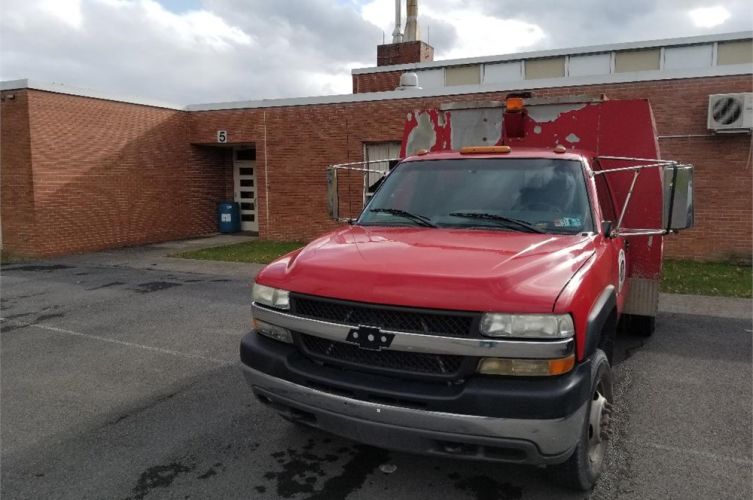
[731, 112]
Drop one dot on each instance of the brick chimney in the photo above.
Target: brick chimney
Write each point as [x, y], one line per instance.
[404, 53]
[407, 48]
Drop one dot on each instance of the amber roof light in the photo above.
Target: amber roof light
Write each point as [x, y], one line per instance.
[481, 150]
[514, 104]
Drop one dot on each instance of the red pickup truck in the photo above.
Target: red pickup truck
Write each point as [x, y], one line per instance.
[470, 310]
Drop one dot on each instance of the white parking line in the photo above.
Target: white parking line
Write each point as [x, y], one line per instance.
[119, 342]
[690, 451]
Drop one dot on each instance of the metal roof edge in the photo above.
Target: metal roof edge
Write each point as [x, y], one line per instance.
[588, 49]
[60, 88]
[642, 76]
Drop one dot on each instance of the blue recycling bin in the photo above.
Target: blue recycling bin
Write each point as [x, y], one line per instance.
[229, 217]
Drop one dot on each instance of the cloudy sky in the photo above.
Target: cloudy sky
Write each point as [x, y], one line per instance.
[195, 51]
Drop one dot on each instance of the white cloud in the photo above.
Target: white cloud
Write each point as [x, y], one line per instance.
[67, 11]
[479, 33]
[194, 29]
[219, 50]
[709, 17]
[486, 35]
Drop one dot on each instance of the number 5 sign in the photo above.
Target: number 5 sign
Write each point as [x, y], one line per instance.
[222, 136]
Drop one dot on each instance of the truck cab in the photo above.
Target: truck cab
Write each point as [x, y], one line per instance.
[471, 307]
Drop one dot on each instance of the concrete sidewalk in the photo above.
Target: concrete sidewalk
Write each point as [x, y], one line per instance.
[702, 305]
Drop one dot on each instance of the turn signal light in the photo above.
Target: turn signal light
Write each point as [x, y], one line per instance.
[273, 332]
[526, 367]
[470, 150]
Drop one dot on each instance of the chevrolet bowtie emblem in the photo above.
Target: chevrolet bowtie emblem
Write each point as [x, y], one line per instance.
[370, 338]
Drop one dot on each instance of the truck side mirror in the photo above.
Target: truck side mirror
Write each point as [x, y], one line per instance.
[678, 197]
[606, 226]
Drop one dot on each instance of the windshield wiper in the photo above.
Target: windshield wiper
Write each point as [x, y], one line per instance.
[419, 219]
[520, 224]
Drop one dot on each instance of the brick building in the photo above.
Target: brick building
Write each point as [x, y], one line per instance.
[83, 171]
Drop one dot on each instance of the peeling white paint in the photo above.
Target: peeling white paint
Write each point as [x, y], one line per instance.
[572, 138]
[422, 136]
[550, 112]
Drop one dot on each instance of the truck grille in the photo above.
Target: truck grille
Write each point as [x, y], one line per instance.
[421, 363]
[455, 324]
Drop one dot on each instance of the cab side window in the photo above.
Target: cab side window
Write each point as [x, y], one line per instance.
[608, 211]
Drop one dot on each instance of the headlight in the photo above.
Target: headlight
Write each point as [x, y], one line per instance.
[272, 297]
[535, 326]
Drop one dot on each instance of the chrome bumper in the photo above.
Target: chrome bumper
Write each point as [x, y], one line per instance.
[530, 441]
[416, 342]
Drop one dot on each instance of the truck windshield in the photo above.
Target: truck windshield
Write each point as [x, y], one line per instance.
[531, 195]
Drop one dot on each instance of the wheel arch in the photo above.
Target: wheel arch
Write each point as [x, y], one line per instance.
[602, 318]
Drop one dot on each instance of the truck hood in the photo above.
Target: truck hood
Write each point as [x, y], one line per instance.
[434, 268]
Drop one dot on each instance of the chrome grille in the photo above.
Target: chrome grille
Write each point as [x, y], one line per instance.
[451, 323]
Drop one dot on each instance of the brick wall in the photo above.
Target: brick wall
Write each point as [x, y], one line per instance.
[302, 141]
[96, 174]
[376, 82]
[16, 185]
[108, 174]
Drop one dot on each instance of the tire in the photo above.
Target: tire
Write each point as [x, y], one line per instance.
[583, 468]
[640, 326]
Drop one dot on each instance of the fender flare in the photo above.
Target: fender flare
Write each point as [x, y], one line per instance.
[597, 318]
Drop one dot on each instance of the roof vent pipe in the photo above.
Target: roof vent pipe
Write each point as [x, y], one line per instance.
[412, 33]
[409, 81]
[397, 35]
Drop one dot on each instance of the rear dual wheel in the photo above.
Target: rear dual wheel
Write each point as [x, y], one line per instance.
[587, 462]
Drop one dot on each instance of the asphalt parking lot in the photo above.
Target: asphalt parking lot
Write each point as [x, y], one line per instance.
[120, 379]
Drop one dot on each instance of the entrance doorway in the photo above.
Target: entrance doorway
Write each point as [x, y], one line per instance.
[244, 177]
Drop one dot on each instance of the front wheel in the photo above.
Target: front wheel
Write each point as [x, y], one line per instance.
[587, 462]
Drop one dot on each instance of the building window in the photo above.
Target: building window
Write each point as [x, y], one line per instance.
[736, 52]
[689, 57]
[431, 78]
[463, 75]
[552, 67]
[503, 72]
[590, 64]
[375, 152]
[636, 60]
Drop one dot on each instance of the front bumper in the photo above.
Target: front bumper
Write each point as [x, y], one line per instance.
[524, 421]
[528, 441]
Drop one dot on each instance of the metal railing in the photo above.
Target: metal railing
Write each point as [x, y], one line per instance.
[334, 173]
[637, 169]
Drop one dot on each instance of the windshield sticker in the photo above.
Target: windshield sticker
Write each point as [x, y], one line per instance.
[568, 222]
